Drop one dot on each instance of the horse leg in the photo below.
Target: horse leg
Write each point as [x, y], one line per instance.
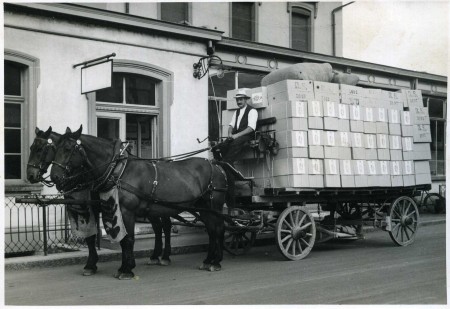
[127, 243]
[207, 262]
[218, 238]
[167, 227]
[157, 250]
[91, 265]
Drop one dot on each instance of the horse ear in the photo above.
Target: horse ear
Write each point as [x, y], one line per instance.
[68, 130]
[77, 134]
[48, 132]
[37, 130]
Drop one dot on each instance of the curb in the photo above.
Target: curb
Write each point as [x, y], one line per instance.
[107, 255]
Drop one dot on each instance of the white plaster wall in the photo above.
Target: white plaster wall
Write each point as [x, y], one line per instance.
[273, 24]
[59, 101]
[144, 9]
[212, 15]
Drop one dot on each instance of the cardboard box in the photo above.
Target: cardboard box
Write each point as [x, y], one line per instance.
[407, 143]
[407, 130]
[409, 155]
[292, 139]
[396, 154]
[371, 154]
[408, 167]
[359, 167]
[259, 97]
[330, 138]
[361, 181]
[413, 98]
[422, 167]
[352, 90]
[289, 109]
[385, 167]
[370, 141]
[382, 128]
[346, 167]
[370, 127]
[290, 166]
[291, 181]
[396, 168]
[324, 87]
[331, 123]
[356, 112]
[331, 152]
[344, 125]
[343, 111]
[381, 114]
[315, 108]
[323, 97]
[292, 152]
[373, 93]
[345, 153]
[331, 181]
[344, 139]
[395, 100]
[423, 179]
[419, 115]
[369, 114]
[289, 96]
[315, 123]
[348, 181]
[290, 124]
[331, 167]
[315, 167]
[357, 140]
[406, 118]
[394, 116]
[358, 153]
[316, 152]
[384, 154]
[291, 86]
[330, 109]
[357, 126]
[382, 141]
[316, 137]
[422, 151]
[395, 129]
[397, 181]
[422, 133]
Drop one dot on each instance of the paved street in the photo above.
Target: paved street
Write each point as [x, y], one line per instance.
[370, 271]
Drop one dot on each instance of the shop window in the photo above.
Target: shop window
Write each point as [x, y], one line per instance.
[175, 12]
[243, 22]
[438, 124]
[300, 29]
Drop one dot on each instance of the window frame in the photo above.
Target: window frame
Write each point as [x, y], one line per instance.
[164, 99]
[306, 7]
[255, 22]
[189, 13]
[30, 77]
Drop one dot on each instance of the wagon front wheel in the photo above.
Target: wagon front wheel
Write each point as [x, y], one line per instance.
[295, 233]
[404, 221]
[238, 242]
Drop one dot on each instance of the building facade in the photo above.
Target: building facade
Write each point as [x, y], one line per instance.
[155, 102]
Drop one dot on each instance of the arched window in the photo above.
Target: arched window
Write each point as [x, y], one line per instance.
[135, 108]
[301, 16]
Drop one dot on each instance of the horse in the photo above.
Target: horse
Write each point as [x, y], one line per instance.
[145, 187]
[42, 153]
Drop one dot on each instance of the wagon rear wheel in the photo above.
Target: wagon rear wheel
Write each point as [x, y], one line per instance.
[295, 233]
[238, 242]
[404, 221]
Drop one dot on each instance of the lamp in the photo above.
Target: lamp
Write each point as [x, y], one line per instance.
[201, 68]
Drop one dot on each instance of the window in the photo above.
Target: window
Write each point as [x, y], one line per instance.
[14, 120]
[243, 21]
[438, 124]
[175, 12]
[300, 29]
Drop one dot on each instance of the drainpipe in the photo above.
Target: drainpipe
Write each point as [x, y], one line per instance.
[333, 25]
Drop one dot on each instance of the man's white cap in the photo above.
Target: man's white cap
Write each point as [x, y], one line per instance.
[241, 94]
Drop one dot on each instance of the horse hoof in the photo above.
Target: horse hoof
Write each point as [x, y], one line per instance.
[214, 268]
[117, 275]
[89, 272]
[153, 262]
[126, 276]
[164, 262]
[204, 266]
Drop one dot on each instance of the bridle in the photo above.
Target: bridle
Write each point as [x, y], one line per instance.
[43, 165]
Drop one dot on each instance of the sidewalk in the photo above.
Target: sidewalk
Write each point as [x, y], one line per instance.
[188, 240]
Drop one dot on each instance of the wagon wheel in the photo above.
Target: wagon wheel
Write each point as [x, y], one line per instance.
[434, 203]
[295, 233]
[238, 242]
[355, 211]
[404, 217]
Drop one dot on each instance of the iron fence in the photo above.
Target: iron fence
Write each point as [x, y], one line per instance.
[35, 229]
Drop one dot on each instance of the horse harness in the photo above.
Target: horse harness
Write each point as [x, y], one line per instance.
[42, 163]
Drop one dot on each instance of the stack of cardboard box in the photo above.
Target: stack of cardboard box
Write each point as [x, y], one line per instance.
[333, 136]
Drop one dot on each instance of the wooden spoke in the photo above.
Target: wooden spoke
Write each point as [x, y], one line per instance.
[238, 242]
[404, 217]
[295, 233]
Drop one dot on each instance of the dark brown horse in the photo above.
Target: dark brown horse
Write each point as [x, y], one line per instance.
[146, 187]
[42, 153]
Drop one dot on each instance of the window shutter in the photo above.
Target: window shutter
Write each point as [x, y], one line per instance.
[243, 21]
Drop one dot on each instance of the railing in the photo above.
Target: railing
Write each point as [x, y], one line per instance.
[32, 229]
